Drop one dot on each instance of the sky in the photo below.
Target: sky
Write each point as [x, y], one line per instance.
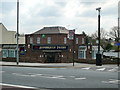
[80, 15]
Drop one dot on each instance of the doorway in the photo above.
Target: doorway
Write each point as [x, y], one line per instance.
[50, 57]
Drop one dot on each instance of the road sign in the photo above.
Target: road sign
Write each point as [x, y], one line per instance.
[117, 44]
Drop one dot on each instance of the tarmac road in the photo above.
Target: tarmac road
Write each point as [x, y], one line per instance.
[47, 78]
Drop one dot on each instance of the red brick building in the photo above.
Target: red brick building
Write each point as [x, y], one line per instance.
[53, 44]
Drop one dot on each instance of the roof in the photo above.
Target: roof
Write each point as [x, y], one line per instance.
[52, 30]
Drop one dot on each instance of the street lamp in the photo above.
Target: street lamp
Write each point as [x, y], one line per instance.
[98, 55]
[17, 32]
[118, 32]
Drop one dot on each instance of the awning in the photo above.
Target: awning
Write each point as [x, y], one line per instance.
[9, 47]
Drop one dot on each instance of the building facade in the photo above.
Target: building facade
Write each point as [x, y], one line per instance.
[55, 44]
[47, 45]
[8, 43]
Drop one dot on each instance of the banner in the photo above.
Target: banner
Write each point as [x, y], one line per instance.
[50, 47]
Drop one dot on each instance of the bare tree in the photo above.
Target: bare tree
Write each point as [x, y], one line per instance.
[103, 34]
[114, 33]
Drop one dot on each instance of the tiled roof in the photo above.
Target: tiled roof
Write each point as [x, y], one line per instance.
[52, 30]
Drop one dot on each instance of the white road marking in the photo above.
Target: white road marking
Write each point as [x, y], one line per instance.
[86, 68]
[20, 86]
[80, 78]
[18, 74]
[56, 77]
[2, 71]
[112, 81]
[101, 69]
[40, 75]
[112, 70]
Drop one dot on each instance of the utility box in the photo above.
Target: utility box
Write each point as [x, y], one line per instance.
[98, 59]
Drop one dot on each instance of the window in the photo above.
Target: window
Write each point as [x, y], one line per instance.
[76, 40]
[83, 41]
[82, 52]
[11, 53]
[38, 40]
[65, 40]
[4, 53]
[31, 40]
[49, 40]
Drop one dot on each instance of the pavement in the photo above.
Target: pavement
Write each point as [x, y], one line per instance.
[54, 65]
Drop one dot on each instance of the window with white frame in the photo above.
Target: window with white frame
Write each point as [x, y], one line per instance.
[76, 40]
[38, 40]
[31, 40]
[82, 52]
[49, 40]
[4, 53]
[11, 53]
[83, 41]
[65, 40]
[81, 55]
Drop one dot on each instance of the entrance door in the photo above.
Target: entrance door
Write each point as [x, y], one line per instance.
[50, 58]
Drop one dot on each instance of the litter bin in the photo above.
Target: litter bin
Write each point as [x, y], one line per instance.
[98, 59]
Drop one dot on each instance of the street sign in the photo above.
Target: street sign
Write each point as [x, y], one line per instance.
[117, 44]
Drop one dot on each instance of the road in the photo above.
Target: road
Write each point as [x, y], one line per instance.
[59, 77]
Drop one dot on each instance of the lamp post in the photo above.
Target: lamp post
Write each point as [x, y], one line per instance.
[17, 32]
[98, 55]
[118, 32]
[118, 42]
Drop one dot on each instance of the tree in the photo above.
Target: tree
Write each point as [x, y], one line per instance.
[108, 47]
[114, 33]
[103, 34]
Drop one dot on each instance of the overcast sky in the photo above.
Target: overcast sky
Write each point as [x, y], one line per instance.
[72, 14]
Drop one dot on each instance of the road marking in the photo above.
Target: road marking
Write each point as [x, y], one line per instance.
[2, 71]
[112, 81]
[101, 69]
[18, 74]
[80, 78]
[40, 75]
[20, 86]
[86, 68]
[56, 77]
[112, 70]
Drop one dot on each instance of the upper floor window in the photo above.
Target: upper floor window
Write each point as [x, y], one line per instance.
[83, 41]
[65, 40]
[49, 40]
[38, 40]
[76, 40]
[31, 40]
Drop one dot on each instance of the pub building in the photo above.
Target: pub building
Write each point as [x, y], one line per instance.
[55, 45]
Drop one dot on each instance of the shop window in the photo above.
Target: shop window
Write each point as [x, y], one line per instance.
[82, 54]
[4, 53]
[31, 40]
[11, 53]
[65, 40]
[76, 40]
[38, 40]
[49, 40]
